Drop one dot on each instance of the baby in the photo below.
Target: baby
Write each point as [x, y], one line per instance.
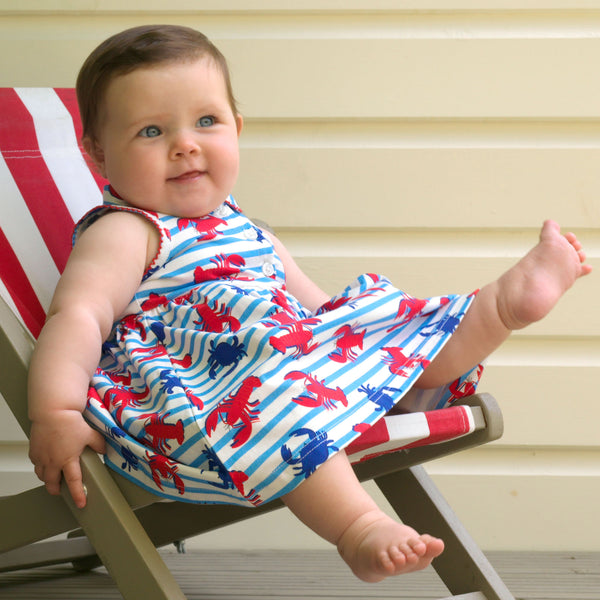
[177, 309]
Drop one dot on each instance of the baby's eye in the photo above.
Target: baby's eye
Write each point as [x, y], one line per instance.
[150, 131]
[207, 121]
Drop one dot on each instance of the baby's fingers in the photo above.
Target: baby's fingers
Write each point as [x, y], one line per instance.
[97, 442]
[51, 478]
[73, 478]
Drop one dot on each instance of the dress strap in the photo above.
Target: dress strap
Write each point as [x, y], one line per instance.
[112, 203]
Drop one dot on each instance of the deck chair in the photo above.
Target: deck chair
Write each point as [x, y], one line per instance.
[45, 185]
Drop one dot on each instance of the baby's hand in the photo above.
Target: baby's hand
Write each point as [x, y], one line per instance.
[55, 447]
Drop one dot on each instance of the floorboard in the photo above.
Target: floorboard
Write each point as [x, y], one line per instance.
[311, 575]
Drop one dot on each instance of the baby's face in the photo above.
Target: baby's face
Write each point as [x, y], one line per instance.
[169, 139]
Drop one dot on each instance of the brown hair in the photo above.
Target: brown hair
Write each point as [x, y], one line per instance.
[132, 49]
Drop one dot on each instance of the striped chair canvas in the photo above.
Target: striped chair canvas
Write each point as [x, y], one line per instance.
[46, 187]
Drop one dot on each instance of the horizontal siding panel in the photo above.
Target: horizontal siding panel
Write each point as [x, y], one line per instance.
[354, 78]
[421, 187]
[336, 6]
[423, 242]
[513, 512]
[546, 406]
[417, 78]
[319, 22]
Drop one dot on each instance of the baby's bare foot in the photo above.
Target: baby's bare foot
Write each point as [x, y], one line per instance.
[529, 291]
[375, 547]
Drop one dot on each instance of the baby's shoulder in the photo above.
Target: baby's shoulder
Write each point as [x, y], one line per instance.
[129, 230]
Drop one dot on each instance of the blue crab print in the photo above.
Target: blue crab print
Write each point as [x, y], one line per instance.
[170, 381]
[447, 324]
[159, 331]
[153, 270]
[109, 346]
[314, 452]
[131, 460]
[260, 237]
[225, 354]
[114, 432]
[383, 401]
[214, 464]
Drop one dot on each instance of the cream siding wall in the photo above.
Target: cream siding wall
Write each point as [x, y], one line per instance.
[426, 140]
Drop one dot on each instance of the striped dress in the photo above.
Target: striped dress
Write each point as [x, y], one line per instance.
[217, 386]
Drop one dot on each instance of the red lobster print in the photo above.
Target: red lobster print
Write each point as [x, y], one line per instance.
[397, 361]
[206, 226]
[165, 468]
[237, 411]
[335, 303]
[460, 389]
[121, 397]
[286, 316]
[184, 299]
[117, 378]
[319, 393]
[150, 353]
[158, 351]
[345, 345]
[298, 336]
[407, 310]
[132, 322]
[215, 319]
[332, 305]
[161, 431]
[280, 299]
[279, 318]
[194, 400]
[238, 479]
[154, 300]
[226, 267]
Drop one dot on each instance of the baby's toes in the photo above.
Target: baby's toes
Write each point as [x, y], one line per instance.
[411, 555]
[417, 546]
[397, 557]
[435, 546]
[574, 241]
[391, 561]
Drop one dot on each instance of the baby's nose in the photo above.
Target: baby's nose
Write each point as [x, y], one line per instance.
[185, 143]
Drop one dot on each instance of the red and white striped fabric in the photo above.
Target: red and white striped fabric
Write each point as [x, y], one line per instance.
[46, 186]
[409, 430]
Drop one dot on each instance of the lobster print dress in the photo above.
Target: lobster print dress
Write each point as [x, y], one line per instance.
[216, 386]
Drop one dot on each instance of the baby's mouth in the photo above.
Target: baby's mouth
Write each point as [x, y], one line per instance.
[188, 176]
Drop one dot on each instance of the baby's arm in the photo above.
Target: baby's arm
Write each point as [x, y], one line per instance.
[306, 291]
[96, 286]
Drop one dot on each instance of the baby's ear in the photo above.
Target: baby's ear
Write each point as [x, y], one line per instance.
[96, 153]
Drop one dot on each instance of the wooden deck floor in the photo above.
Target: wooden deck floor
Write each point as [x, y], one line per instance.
[315, 575]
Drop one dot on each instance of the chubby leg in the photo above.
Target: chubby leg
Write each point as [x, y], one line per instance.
[524, 294]
[333, 503]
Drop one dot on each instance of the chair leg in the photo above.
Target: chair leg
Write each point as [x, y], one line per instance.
[46, 553]
[119, 539]
[462, 566]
